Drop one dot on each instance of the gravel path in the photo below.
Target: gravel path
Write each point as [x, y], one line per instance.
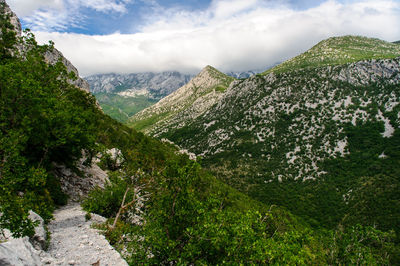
[73, 242]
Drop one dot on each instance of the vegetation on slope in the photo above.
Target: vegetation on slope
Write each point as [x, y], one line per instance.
[188, 101]
[121, 108]
[320, 140]
[339, 51]
[189, 217]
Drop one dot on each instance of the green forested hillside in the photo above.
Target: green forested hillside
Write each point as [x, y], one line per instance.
[187, 217]
[317, 134]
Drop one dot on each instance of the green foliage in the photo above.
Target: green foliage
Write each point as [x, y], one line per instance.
[43, 119]
[88, 216]
[359, 245]
[122, 108]
[338, 51]
[107, 202]
[194, 219]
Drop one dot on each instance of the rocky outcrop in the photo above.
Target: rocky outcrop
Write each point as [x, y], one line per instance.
[19, 252]
[77, 186]
[24, 251]
[13, 18]
[186, 103]
[51, 57]
[38, 240]
[369, 71]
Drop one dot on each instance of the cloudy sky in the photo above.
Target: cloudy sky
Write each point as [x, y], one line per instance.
[124, 36]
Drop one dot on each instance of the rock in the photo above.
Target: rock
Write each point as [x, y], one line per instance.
[53, 56]
[13, 18]
[18, 252]
[38, 240]
[116, 157]
[76, 186]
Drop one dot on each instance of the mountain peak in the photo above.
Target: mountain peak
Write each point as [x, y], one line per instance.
[209, 73]
[340, 50]
[189, 101]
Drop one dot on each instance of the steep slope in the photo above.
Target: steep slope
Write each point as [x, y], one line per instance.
[52, 55]
[185, 104]
[308, 132]
[163, 208]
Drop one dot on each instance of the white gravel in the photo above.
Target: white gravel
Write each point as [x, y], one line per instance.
[74, 242]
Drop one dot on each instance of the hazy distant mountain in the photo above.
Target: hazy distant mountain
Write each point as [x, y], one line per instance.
[155, 85]
[123, 95]
[330, 115]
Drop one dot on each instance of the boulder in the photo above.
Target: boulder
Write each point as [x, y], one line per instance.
[38, 240]
[18, 252]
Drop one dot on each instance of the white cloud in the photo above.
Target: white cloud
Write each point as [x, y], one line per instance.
[47, 15]
[28, 7]
[247, 35]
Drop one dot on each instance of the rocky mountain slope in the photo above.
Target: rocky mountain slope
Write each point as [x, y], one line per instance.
[162, 207]
[280, 135]
[123, 95]
[189, 102]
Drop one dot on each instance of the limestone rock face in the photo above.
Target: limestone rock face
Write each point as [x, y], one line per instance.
[19, 252]
[53, 56]
[153, 85]
[23, 251]
[76, 186]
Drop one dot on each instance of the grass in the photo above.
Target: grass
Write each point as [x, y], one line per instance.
[121, 108]
[338, 51]
[147, 122]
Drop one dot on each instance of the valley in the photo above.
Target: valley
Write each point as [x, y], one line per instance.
[298, 164]
[306, 134]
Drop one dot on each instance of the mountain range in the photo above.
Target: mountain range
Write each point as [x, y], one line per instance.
[123, 95]
[305, 134]
[317, 136]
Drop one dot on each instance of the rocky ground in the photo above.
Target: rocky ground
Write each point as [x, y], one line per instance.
[74, 242]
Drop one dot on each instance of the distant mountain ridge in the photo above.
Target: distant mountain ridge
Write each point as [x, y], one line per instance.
[123, 95]
[156, 85]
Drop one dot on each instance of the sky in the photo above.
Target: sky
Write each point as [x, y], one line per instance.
[129, 36]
